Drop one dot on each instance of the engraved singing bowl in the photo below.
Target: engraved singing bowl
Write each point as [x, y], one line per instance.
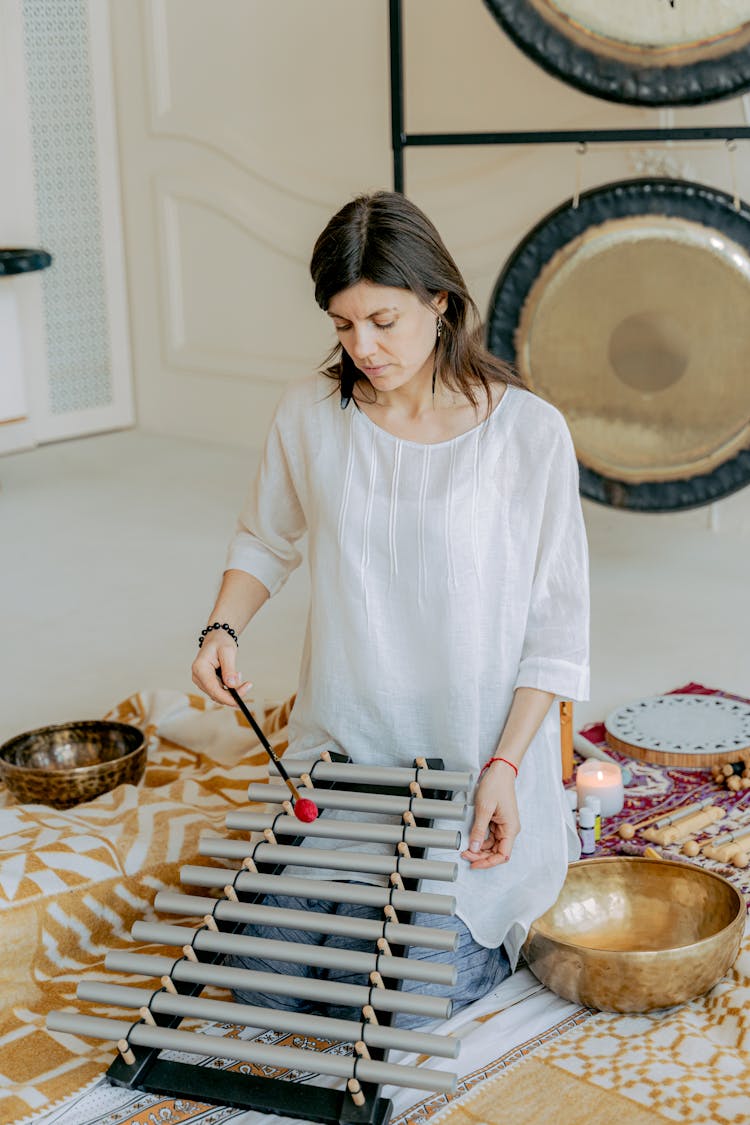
[69, 763]
[630, 935]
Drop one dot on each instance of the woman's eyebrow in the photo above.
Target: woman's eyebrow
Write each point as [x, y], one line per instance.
[378, 312]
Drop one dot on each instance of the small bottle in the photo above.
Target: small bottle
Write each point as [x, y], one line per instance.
[595, 805]
[586, 820]
[571, 796]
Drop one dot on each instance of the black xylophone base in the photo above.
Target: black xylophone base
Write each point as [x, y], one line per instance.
[307, 1102]
[264, 1095]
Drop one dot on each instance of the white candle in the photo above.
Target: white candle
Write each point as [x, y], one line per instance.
[602, 780]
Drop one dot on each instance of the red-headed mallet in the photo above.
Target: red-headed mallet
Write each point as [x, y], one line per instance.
[304, 809]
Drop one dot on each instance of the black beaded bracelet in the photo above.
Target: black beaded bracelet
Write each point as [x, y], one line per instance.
[217, 625]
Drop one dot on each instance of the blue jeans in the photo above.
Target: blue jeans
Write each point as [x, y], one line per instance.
[479, 969]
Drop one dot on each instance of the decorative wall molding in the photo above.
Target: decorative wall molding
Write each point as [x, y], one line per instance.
[186, 353]
[268, 166]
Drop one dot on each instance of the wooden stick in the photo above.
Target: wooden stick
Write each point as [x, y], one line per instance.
[687, 826]
[566, 739]
[723, 853]
[661, 820]
[728, 837]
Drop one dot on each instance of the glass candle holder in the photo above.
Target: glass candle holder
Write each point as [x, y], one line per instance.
[602, 780]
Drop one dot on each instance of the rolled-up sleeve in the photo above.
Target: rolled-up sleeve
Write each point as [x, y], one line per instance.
[555, 654]
[272, 519]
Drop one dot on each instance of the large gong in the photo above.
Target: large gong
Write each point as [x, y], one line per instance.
[631, 313]
[644, 52]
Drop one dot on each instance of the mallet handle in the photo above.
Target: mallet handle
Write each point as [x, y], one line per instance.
[261, 737]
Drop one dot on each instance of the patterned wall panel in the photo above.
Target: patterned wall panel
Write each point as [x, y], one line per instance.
[58, 61]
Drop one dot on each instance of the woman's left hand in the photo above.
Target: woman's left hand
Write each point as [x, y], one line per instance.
[496, 822]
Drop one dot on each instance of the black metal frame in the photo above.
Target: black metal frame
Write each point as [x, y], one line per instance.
[401, 139]
[153, 1075]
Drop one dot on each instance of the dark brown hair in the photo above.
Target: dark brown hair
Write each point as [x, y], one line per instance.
[385, 239]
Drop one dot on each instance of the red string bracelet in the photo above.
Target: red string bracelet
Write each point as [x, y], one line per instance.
[489, 762]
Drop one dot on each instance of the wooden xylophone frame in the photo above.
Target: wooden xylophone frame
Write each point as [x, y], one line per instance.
[323, 1104]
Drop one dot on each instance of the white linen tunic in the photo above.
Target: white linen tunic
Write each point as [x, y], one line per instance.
[443, 577]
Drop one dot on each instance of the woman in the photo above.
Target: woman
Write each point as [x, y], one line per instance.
[449, 599]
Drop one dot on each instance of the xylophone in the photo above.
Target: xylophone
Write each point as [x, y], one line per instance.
[240, 896]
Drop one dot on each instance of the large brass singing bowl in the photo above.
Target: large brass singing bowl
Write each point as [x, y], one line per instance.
[69, 763]
[629, 934]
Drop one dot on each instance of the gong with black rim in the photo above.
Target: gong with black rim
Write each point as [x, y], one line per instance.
[630, 311]
[642, 52]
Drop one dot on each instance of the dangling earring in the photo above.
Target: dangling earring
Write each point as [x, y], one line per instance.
[438, 330]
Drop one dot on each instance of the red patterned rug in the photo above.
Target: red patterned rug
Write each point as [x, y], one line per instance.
[657, 789]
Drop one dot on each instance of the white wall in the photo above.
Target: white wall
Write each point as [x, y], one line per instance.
[242, 130]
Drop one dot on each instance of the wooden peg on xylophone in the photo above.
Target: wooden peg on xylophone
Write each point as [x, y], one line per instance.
[355, 1090]
[124, 1048]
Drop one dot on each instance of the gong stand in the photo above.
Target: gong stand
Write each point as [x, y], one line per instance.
[401, 140]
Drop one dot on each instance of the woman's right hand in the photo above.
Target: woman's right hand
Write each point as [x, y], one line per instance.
[218, 653]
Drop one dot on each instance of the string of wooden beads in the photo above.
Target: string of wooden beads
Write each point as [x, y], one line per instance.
[733, 775]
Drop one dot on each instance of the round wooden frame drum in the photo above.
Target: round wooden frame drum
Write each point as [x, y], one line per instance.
[681, 729]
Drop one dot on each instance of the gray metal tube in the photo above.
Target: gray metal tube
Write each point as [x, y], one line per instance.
[251, 1015]
[366, 831]
[401, 968]
[339, 1066]
[380, 775]
[334, 859]
[428, 937]
[363, 802]
[123, 996]
[93, 1026]
[318, 889]
[142, 964]
[280, 984]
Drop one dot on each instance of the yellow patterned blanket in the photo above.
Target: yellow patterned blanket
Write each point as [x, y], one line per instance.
[72, 882]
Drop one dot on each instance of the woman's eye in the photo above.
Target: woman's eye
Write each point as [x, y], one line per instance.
[390, 325]
[341, 327]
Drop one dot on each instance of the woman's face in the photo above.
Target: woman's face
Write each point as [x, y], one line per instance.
[388, 333]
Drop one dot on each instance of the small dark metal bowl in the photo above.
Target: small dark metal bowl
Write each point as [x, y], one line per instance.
[69, 763]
